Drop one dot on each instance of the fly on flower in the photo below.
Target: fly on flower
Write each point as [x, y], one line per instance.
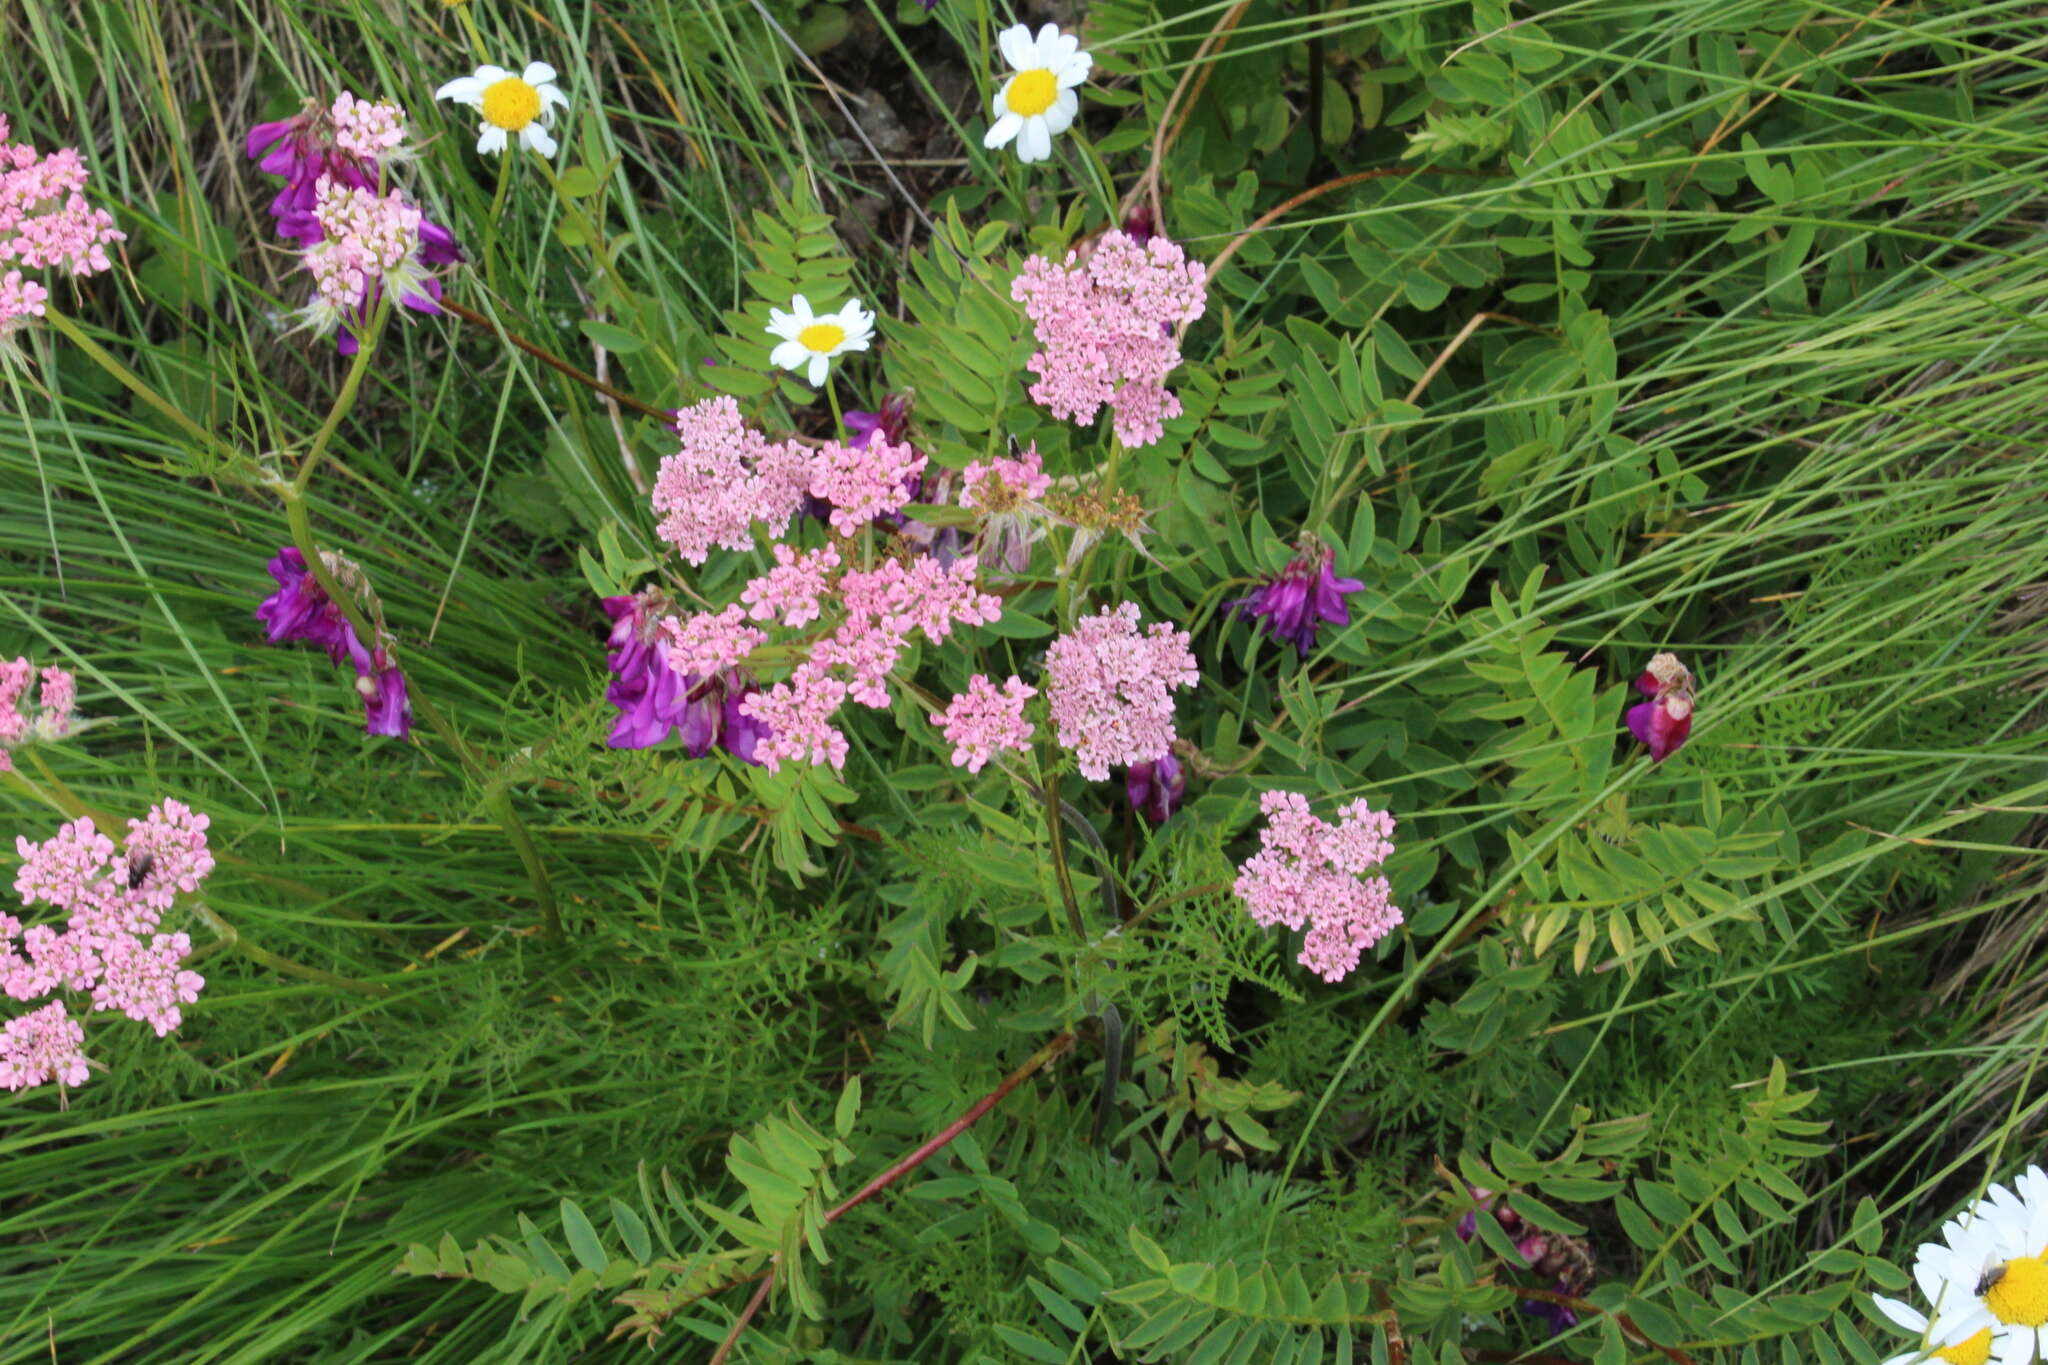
[522, 105]
[812, 341]
[1038, 100]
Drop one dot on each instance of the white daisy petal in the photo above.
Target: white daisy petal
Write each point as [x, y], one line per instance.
[551, 97]
[490, 75]
[1060, 117]
[1018, 49]
[537, 73]
[800, 310]
[1904, 1314]
[1075, 73]
[536, 137]
[1034, 143]
[1003, 130]
[464, 90]
[1049, 36]
[790, 355]
[492, 139]
[819, 365]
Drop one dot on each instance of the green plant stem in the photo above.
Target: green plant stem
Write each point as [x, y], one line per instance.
[344, 400]
[136, 385]
[1049, 778]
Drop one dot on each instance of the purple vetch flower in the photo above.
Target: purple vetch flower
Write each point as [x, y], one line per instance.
[891, 421]
[300, 609]
[1298, 600]
[1156, 788]
[340, 144]
[1664, 722]
[653, 699]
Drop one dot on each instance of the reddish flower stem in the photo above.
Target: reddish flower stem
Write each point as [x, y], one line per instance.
[583, 377]
[954, 1129]
[746, 1316]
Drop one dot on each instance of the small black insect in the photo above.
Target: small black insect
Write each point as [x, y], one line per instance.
[139, 869]
[1988, 1281]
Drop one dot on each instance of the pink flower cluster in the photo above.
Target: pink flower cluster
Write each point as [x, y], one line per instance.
[52, 716]
[371, 130]
[109, 946]
[986, 719]
[1106, 331]
[1311, 873]
[1001, 483]
[881, 608]
[1110, 685]
[726, 477]
[45, 222]
[865, 481]
[370, 247]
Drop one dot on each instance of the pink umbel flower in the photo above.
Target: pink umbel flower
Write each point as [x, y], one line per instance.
[791, 590]
[370, 248]
[1109, 686]
[49, 719]
[1311, 874]
[865, 481]
[985, 720]
[369, 130]
[726, 477]
[21, 302]
[1664, 722]
[108, 946]
[799, 715]
[42, 1045]
[707, 642]
[144, 981]
[60, 869]
[1105, 329]
[45, 223]
[1002, 482]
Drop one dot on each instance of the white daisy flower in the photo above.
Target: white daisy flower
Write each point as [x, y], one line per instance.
[814, 339]
[1941, 1337]
[1995, 1263]
[523, 104]
[1039, 100]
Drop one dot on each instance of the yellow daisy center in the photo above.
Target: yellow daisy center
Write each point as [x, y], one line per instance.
[821, 337]
[2021, 1294]
[1974, 1349]
[1032, 92]
[511, 104]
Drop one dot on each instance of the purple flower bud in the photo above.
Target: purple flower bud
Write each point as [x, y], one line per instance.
[1156, 788]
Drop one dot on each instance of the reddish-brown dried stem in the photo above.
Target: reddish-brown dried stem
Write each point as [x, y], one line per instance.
[555, 362]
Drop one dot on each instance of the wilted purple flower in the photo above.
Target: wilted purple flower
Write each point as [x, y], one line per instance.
[654, 699]
[1664, 722]
[1138, 224]
[1156, 789]
[1566, 1261]
[1299, 599]
[300, 609]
